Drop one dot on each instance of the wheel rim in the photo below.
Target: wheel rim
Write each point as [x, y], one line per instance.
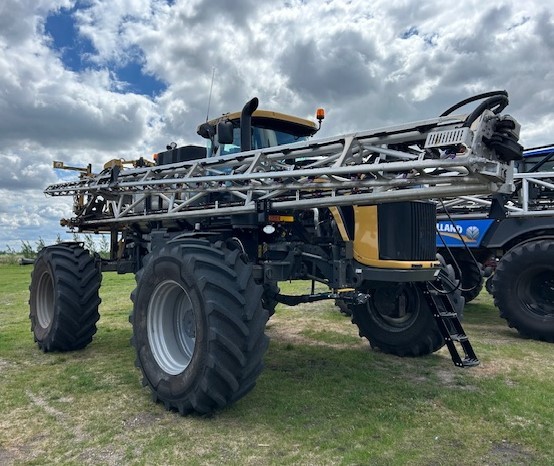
[536, 291]
[395, 309]
[45, 300]
[171, 327]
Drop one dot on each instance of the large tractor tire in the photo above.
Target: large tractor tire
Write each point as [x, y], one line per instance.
[268, 300]
[397, 319]
[64, 297]
[472, 280]
[523, 288]
[488, 284]
[343, 307]
[198, 325]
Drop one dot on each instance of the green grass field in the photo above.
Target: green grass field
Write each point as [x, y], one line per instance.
[324, 397]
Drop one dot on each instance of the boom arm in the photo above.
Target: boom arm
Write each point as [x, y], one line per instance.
[436, 158]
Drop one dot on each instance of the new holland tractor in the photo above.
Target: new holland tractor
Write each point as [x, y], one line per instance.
[509, 238]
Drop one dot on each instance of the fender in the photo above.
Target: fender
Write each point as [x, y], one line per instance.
[511, 228]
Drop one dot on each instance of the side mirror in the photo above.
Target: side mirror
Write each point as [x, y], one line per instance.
[206, 130]
[225, 132]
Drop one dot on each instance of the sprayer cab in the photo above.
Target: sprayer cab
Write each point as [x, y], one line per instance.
[228, 134]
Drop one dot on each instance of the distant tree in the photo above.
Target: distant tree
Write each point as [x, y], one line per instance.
[93, 243]
[104, 247]
[27, 250]
[40, 244]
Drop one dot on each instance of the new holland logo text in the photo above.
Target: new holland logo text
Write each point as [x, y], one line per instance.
[457, 232]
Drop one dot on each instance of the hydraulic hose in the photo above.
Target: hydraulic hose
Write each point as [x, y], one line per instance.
[478, 97]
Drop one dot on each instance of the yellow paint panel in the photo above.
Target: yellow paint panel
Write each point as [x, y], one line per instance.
[366, 234]
[270, 115]
[340, 223]
[366, 243]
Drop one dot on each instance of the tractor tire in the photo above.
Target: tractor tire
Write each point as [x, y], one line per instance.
[488, 285]
[268, 301]
[472, 279]
[64, 297]
[523, 289]
[198, 325]
[397, 319]
[343, 307]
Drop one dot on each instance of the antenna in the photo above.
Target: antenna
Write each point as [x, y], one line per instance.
[210, 97]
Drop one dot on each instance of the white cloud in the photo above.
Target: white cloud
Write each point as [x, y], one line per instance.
[369, 63]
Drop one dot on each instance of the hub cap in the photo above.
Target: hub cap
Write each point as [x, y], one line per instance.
[396, 307]
[536, 291]
[45, 300]
[171, 327]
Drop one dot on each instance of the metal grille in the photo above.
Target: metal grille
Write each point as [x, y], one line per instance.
[424, 220]
[407, 231]
[447, 137]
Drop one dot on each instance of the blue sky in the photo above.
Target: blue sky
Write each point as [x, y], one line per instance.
[61, 27]
[75, 52]
[88, 81]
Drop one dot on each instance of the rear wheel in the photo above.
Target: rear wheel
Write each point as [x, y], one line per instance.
[343, 307]
[397, 318]
[64, 297]
[472, 280]
[488, 284]
[268, 299]
[198, 325]
[523, 289]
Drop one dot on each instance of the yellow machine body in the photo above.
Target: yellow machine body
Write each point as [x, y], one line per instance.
[362, 229]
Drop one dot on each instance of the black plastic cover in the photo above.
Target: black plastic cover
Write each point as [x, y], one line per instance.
[181, 154]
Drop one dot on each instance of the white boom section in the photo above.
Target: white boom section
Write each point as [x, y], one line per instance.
[521, 205]
[436, 158]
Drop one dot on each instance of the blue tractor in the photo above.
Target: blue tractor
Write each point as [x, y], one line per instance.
[508, 240]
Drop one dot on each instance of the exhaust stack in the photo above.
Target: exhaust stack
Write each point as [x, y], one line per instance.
[246, 124]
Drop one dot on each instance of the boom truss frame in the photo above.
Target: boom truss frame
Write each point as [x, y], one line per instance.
[429, 159]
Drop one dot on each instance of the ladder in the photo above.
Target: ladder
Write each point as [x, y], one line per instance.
[429, 159]
[450, 327]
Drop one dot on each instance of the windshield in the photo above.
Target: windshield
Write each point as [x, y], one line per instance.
[261, 139]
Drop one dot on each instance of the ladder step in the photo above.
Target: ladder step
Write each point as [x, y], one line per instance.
[470, 362]
[459, 337]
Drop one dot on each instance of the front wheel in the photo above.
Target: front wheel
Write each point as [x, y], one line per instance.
[64, 297]
[523, 289]
[198, 325]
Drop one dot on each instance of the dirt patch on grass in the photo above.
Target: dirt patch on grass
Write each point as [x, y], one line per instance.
[106, 455]
[42, 403]
[289, 330]
[7, 456]
[532, 365]
[5, 364]
[60, 416]
[508, 453]
[143, 419]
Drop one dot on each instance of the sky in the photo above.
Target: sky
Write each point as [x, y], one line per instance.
[89, 81]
